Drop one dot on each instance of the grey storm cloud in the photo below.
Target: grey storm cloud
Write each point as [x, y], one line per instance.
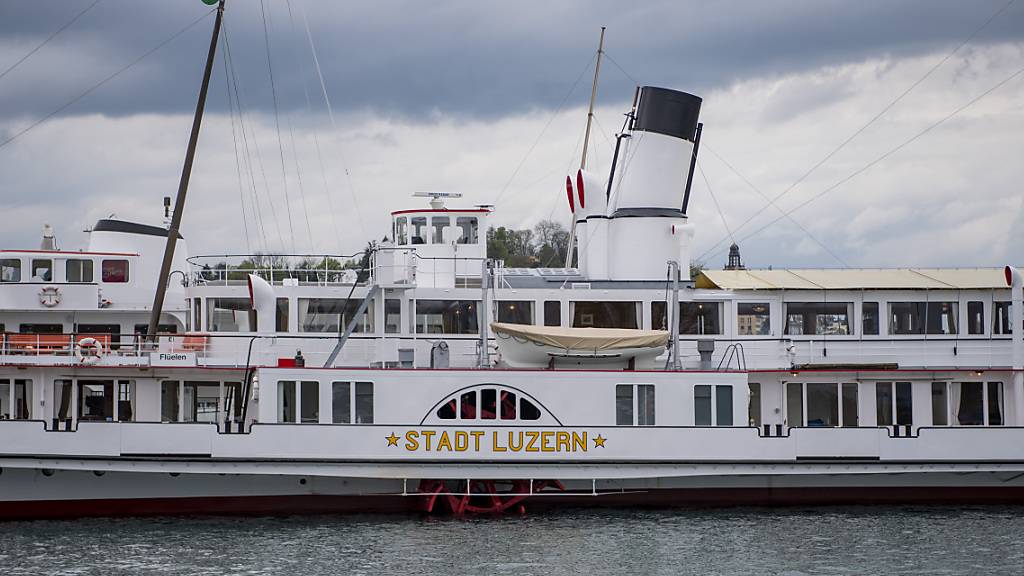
[463, 58]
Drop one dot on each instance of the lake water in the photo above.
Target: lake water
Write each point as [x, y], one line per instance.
[877, 540]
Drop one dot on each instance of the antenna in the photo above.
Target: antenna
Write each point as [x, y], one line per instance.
[437, 198]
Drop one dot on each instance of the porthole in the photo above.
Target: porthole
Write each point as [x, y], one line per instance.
[47, 472]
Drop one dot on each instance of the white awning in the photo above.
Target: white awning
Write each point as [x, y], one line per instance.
[854, 279]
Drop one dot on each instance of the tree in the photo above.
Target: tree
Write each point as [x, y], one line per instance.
[544, 245]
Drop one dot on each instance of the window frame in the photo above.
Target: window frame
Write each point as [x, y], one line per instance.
[636, 417]
[104, 271]
[80, 272]
[714, 397]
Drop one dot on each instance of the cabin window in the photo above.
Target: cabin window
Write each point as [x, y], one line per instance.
[922, 317]
[698, 318]
[109, 332]
[41, 328]
[468, 228]
[507, 405]
[42, 270]
[493, 404]
[114, 329]
[446, 317]
[418, 229]
[197, 311]
[62, 394]
[341, 402]
[437, 225]
[114, 271]
[15, 399]
[552, 313]
[824, 404]
[78, 270]
[604, 314]
[96, 400]
[169, 401]
[10, 270]
[401, 235]
[352, 402]
[392, 316]
[869, 318]
[364, 403]
[753, 319]
[850, 415]
[975, 318]
[890, 402]
[467, 405]
[977, 403]
[527, 410]
[230, 315]
[940, 404]
[309, 402]
[287, 403]
[634, 405]
[754, 404]
[821, 318]
[794, 404]
[281, 315]
[447, 410]
[1001, 317]
[515, 311]
[712, 405]
[488, 403]
[333, 315]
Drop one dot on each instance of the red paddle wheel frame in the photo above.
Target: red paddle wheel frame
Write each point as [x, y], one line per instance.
[480, 497]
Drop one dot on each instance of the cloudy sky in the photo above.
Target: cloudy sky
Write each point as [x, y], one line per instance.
[488, 99]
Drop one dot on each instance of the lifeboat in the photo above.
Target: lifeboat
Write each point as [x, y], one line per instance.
[525, 346]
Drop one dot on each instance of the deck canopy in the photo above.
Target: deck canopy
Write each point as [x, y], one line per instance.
[595, 339]
[854, 279]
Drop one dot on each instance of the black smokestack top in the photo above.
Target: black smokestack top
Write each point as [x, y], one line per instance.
[668, 112]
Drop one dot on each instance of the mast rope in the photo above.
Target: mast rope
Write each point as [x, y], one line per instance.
[234, 142]
[64, 27]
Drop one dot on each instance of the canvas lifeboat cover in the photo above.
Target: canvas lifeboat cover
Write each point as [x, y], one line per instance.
[590, 339]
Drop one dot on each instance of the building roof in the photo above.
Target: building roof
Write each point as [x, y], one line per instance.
[854, 279]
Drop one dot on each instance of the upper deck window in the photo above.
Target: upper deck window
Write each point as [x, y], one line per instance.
[78, 270]
[332, 315]
[712, 410]
[437, 225]
[1001, 317]
[401, 235]
[42, 270]
[515, 311]
[975, 317]
[604, 314]
[869, 318]
[446, 317]
[828, 318]
[753, 319]
[418, 229]
[469, 229]
[694, 317]
[115, 271]
[922, 317]
[10, 270]
[230, 315]
[634, 405]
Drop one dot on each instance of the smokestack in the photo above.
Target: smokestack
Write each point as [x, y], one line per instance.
[49, 242]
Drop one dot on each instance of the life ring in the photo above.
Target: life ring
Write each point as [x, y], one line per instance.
[89, 350]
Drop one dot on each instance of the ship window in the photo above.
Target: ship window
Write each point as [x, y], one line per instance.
[96, 400]
[61, 402]
[794, 404]
[467, 406]
[309, 402]
[694, 317]
[712, 409]
[922, 317]
[78, 270]
[642, 409]
[754, 404]
[41, 328]
[940, 406]
[10, 270]
[114, 271]
[507, 404]
[447, 410]
[527, 411]
[401, 237]
[604, 314]
[850, 414]
[169, 401]
[15, 400]
[826, 318]
[197, 311]
[488, 403]
[975, 318]
[888, 404]
[392, 316]
[437, 225]
[552, 313]
[42, 270]
[822, 404]
[332, 315]
[286, 401]
[825, 404]
[468, 229]
[341, 402]
[446, 317]
[753, 319]
[418, 229]
[364, 403]
[109, 332]
[869, 318]
[230, 315]
[281, 316]
[1000, 317]
[995, 404]
[515, 311]
[977, 403]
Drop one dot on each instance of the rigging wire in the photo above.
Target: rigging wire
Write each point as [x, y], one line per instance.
[874, 118]
[714, 199]
[554, 115]
[302, 193]
[48, 38]
[108, 78]
[234, 142]
[334, 124]
[277, 125]
[888, 153]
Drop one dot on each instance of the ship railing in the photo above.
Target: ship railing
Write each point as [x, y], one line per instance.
[279, 269]
[95, 344]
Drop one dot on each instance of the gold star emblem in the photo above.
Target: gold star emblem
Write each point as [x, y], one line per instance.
[599, 441]
[392, 439]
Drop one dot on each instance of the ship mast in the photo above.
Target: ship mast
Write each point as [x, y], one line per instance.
[186, 173]
[586, 141]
